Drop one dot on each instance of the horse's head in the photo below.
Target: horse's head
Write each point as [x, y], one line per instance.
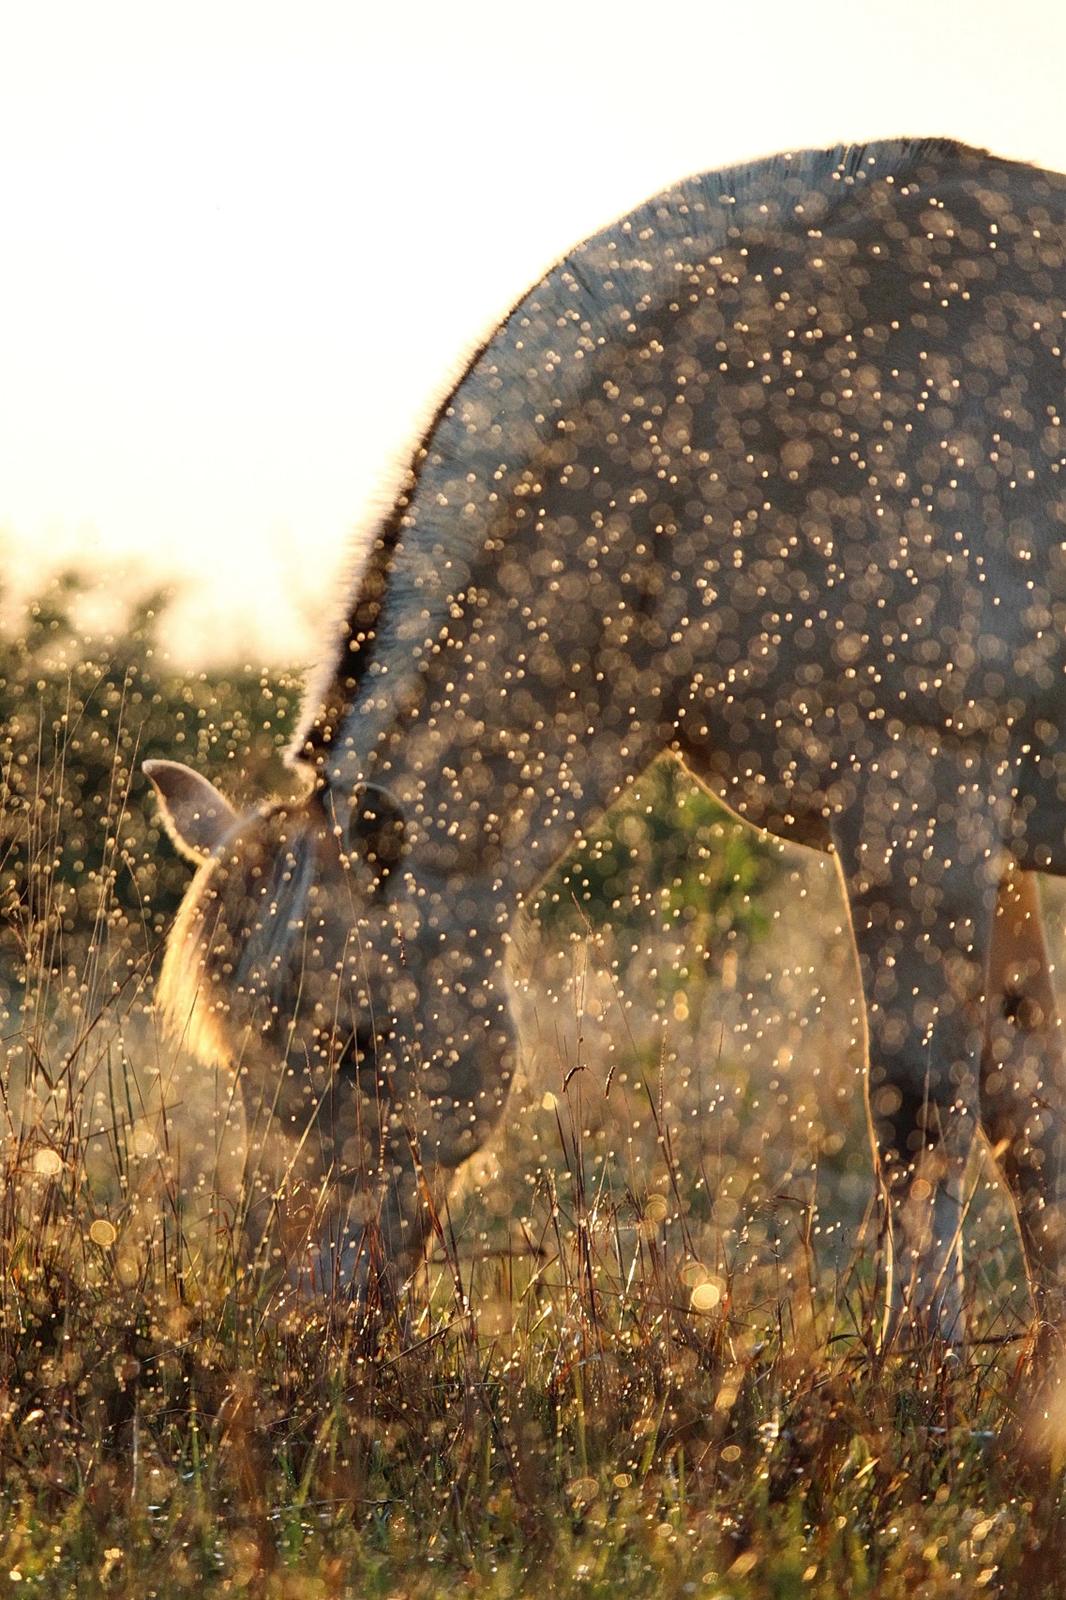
[290, 934]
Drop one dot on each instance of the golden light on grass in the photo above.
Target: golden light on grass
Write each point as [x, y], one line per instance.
[705, 1296]
[103, 1233]
[706, 1289]
[1046, 1430]
[143, 1143]
[48, 1163]
[583, 1491]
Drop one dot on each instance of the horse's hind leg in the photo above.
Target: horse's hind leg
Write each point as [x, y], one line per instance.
[920, 860]
[1023, 1087]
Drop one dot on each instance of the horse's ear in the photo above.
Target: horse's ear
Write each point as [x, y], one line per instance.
[375, 832]
[194, 814]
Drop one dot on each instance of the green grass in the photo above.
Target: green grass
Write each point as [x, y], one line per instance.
[643, 1360]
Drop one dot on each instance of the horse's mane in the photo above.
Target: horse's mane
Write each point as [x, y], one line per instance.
[521, 377]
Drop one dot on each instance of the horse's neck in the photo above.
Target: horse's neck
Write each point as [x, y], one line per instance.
[549, 690]
[498, 789]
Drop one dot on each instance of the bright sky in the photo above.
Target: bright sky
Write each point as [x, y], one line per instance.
[244, 244]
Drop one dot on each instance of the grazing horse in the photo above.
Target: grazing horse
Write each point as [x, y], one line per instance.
[768, 474]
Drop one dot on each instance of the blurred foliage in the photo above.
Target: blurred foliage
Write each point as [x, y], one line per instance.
[667, 850]
[81, 847]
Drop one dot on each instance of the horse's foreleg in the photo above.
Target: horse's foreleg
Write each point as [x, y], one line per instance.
[918, 855]
[1023, 1087]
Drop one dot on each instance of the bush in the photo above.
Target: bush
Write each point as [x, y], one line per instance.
[81, 849]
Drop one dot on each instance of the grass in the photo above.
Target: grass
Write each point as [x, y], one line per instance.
[595, 1388]
[644, 1356]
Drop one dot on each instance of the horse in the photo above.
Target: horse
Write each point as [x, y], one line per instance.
[767, 474]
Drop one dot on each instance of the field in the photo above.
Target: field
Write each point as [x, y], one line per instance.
[644, 1356]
